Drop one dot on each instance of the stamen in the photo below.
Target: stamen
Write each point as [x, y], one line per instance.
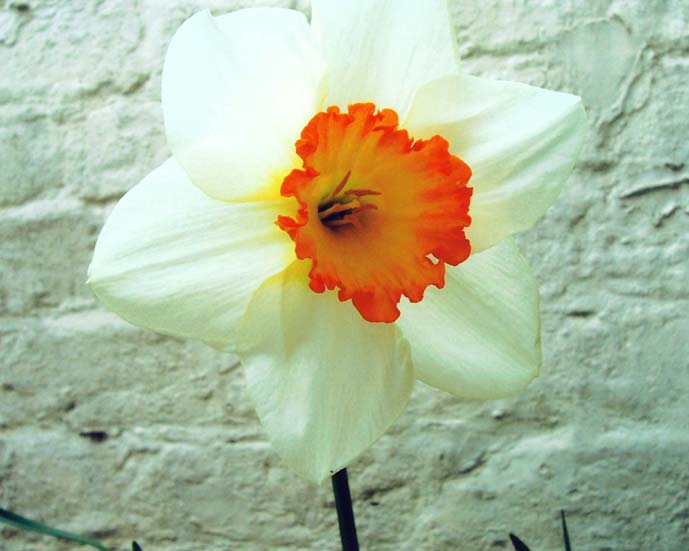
[342, 208]
[347, 220]
[326, 211]
[363, 192]
[341, 185]
[352, 217]
[342, 214]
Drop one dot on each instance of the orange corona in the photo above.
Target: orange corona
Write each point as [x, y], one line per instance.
[379, 214]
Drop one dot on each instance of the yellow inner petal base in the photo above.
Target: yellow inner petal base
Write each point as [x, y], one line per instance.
[379, 214]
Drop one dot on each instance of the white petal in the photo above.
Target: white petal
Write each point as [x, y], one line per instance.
[237, 91]
[325, 383]
[382, 51]
[521, 143]
[479, 337]
[173, 260]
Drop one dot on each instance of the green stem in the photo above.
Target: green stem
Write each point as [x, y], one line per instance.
[345, 513]
[17, 521]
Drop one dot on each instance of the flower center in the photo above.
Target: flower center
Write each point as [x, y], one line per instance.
[343, 207]
[379, 214]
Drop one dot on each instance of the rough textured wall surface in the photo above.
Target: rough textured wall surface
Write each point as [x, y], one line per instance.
[183, 464]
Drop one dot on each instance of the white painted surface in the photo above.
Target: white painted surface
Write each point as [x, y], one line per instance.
[603, 433]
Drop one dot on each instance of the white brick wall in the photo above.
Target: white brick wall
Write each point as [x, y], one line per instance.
[604, 433]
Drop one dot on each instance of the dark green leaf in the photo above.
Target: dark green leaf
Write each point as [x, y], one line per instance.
[518, 544]
[16, 521]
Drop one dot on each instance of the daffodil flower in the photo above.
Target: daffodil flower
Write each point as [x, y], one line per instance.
[337, 210]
